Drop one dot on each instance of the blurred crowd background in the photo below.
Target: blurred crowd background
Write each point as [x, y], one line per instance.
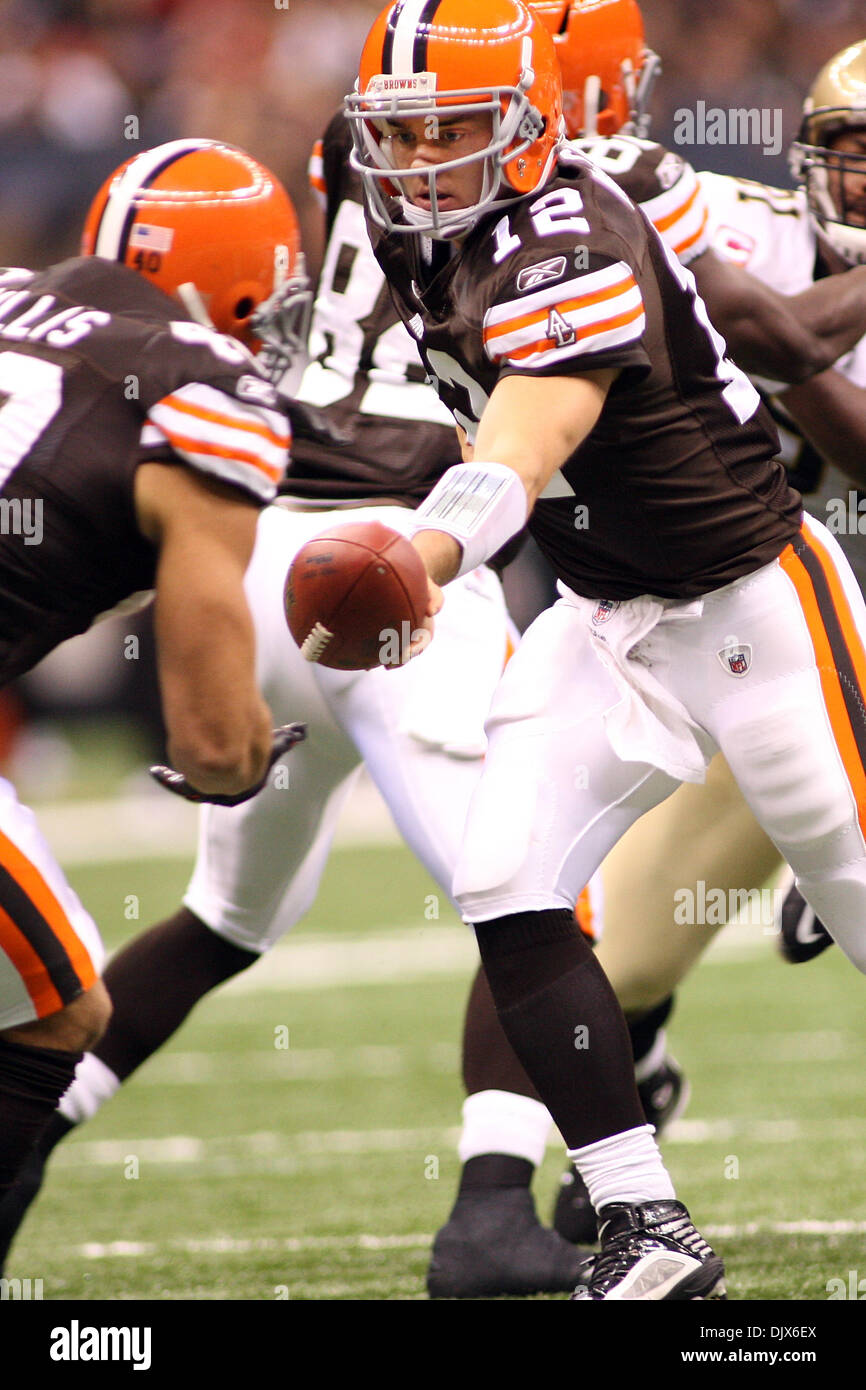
[267, 75]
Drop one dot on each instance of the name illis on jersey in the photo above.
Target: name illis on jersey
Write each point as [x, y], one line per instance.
[478, 316]
[772, 234]
[69, 338]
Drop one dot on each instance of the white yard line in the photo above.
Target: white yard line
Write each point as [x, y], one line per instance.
[224, 1245]
[403, 954]
[270, 1063]
[271, 1146]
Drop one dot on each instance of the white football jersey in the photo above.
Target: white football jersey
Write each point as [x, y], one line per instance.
[662, 183]
[770, 233]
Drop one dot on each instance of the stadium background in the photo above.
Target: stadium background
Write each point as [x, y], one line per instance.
[297, 1138]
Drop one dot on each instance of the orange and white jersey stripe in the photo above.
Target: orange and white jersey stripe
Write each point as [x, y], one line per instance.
[681, 216]
[237, 442]
[316, 175]
[50, 950]
[588, 314]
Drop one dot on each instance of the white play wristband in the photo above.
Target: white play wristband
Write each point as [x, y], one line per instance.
[482, 505]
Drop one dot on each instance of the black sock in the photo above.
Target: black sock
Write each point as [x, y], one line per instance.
[156, 980]
[562, 1018]
[32, 1080]
[488, 1171]
[644, 1028]
[489, 1062]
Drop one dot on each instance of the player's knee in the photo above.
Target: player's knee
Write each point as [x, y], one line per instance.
[210, 947]
[75, 1028]
[801, 803]
[638, 991]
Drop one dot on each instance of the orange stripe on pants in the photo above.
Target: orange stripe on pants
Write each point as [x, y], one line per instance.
[834, 700]
[21, 952]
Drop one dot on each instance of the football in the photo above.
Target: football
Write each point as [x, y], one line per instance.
[354, 597]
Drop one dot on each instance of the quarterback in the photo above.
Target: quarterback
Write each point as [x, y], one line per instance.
[598, 403]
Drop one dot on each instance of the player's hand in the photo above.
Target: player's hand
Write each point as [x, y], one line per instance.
[423, 635]
[284, 739]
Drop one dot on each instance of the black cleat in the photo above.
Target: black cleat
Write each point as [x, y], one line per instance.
[664, 1096]
[494, 1245]
[573, 1213]
[802, 936]
[651, 1251]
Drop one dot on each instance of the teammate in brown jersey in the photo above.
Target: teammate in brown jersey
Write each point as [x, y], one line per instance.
[136, 448]
[660, 650]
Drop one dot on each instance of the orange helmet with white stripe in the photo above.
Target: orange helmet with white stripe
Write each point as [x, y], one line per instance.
[607, 71]
[426, 57]
[210, 226]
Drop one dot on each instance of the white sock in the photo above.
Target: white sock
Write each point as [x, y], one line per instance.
[501, 1122]
[653, 1059]
[626, 1167]
[94, 1084]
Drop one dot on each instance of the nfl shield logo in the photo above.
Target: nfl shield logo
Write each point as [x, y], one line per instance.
[603, 610]
[737, 660]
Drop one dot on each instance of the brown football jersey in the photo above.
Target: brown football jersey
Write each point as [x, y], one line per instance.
[676, 491]
[100, 372]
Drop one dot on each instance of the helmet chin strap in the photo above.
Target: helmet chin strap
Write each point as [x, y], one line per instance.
[194, 304]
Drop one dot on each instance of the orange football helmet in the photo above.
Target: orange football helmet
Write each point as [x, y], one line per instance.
[607, 71]
[211, 227]
[468, 56]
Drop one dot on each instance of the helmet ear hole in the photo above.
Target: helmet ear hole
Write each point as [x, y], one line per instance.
[244, 307]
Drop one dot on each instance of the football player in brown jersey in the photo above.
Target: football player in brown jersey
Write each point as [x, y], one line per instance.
[137, 448]
[598, 402]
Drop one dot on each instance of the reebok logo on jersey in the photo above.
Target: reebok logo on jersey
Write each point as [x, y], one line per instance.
[736, 660]
[542, 273]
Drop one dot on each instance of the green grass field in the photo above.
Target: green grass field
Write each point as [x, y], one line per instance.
[236, 1167]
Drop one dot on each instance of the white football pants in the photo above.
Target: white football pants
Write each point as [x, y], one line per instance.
[771, 670]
